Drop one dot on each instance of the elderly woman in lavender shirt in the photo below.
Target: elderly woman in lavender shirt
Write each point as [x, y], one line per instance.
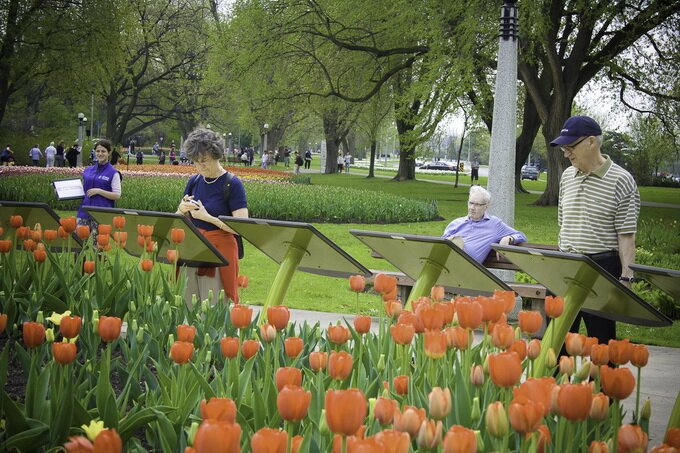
[478, 230]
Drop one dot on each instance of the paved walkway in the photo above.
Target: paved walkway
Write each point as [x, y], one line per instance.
[660, 379]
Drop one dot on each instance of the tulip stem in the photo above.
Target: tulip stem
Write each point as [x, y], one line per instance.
[344, 444]
[615, 425]
[637, 396]
[283, 276]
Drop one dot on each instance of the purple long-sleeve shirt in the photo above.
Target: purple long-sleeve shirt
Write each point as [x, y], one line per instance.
[479, 235]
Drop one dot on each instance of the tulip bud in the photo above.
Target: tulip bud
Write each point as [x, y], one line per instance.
[533, 349]
[381, 363]
[95, 315]
[371, 407]
[178, 300]
[566, 365]
[439, 402]
[166, 309]
[133, 325]
[518, 333]
[267, 333]
[550, 358]
[211, 295]
[128, 284]
[485, 365]
[140, 335]
[599, 408]
[194, 300]
[480, 441]
[496, 419]
[208, 357]
[133, 306]
[192, 432]
[476, 410]
[171, 340]
[86, 294]
[49, 335]
[40, 318]
[323, 424]
[220, 297]
[477, 376]
[583, 372]
[205, 306]
[646, 411]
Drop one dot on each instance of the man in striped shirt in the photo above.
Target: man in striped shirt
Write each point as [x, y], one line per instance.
[598, 210]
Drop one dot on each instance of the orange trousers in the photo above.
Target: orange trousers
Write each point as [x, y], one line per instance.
[225, 243]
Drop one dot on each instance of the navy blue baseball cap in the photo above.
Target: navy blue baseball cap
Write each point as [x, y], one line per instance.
[576, 127]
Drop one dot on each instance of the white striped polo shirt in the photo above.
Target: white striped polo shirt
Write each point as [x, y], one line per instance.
[594, 208]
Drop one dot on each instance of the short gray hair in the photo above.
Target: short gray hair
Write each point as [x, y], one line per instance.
[479, 190]
[203, 142]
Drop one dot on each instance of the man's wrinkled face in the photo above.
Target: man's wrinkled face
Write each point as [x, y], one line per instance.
[476, 207]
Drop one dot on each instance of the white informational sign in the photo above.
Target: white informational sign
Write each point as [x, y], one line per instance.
[322, 158]
[69, 189]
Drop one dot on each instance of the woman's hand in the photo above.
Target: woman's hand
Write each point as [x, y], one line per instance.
[200, 213]
[187, 204]
[93, 192]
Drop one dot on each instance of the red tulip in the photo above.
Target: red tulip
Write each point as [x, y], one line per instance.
[218, 436]
[69, 224]
[460, 440]
[33, 334]
[64, 353]
[598, 447]
[340, 365]
[181, 352]
[278, 316]
[109, 328]
[70, 326]
[241, 316]
[505, 368]
[672, 437]
[538, 390]
[229, 347]
[186, 333]
[357, 283]
[293, 403]
[267, 333]
[554, 306]
[287, 376]
[78, 444]
[345, 410]
[430, 316]
[269, 440]
[293, 346]
[250, 348]
[145, 230]
[534, 348]
[430, 434]
[530, 322]
[218, 409]
[318, 360]
[177, 235]
[519, 347]
[599, 408]
[120, 237]
[29, 245]
[457, 337]
[3, 322]
[362, 324]
[617, 383]
[439, 402]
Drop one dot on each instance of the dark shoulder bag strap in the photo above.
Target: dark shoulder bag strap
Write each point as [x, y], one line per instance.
[227, 191]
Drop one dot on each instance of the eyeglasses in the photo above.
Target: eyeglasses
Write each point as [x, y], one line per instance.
[476, 205]
[570, 148]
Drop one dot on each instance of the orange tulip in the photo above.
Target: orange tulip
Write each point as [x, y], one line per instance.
[293, 346]
[519, 347]
[241, 316]
[599, 408]
[389, 296]
[186, 333]
[672, 437]
[15, 221]
[296, 443]
[446, 310]
[575, 344]
[64, 353]
[83, 231]
[177, 235]
[357, 283]
[567, 365]
[39, 255]
[402, 333]
[617, 383]
[503, 336]
[78, 444]
[147, 265]
[145, 230]
[469, 313]
[538, 390]
[104, 228]
[109, 328]
[554, 306]
[525, 415]
[29, 245]
[430, 434]
[171, 255]
[631, 439]
[293, 403]
[242, 281]
[5, 245]
[362, 324]
[588, 346]
[430, 316]
[384, 284]
[120, 238]
[439, 402]
[181, 352]
[50, 235]
[496, 419]
[267, 333]
[505, 368]
[338, 334]
[229, 347]
[492, 308]
[269, 440]
[530, 322]
[393, 441]
[318, 360]
[70, 326]
[400, 385]
[340, 365]
[543, 440]
[3, 322]
[392, 308]
[477, 376]
[142, 241]
[620, 351]
[217, 436]
[218, 409]
[345, 410]
[507, 297]
[119, 222]
[33, 334]
[384, 410]
[408, 317]
[639, 356]
[36, 235]
[409, 420]
[287, 376]
[574, 401]
[460, 440]
[108, 441]
[534, 349]
[598, 446]
[88, 267]
[457, 337]
[250, 348]
[437, 293]
[278, 316]
[434, 343]
[599, 354]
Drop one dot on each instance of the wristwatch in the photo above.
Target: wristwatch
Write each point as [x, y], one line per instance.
[511, 241]
[626, 279]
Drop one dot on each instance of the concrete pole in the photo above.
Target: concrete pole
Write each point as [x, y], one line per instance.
[501, 183]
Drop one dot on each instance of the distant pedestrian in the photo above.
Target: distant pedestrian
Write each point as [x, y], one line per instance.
[474, 171]
[286, 157]
[348, 160]
[173, 154]
[59, 157]
[7, 156]
[35, 154]
[115, 155]
[140, 157]
[161, 158]
[308, 158]
[50, 154]
[298, 162]
[341, 162]
[72, 155]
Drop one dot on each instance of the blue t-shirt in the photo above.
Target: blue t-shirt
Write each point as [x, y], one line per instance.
[211, 193]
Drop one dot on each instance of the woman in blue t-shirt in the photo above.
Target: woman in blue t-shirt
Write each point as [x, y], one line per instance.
[203, 202]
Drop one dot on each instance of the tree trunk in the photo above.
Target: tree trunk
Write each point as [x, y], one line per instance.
[407, 152]
[371, 165]
[330, 130]
[556, 161]
[531, 123]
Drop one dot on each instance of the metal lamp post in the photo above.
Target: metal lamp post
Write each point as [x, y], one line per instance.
[81, 122]
[231, 151]
[264, 140]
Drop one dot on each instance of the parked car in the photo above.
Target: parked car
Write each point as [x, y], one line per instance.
[437, 166]
[529, 172]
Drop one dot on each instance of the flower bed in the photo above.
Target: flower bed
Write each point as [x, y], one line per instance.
[214, 378]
